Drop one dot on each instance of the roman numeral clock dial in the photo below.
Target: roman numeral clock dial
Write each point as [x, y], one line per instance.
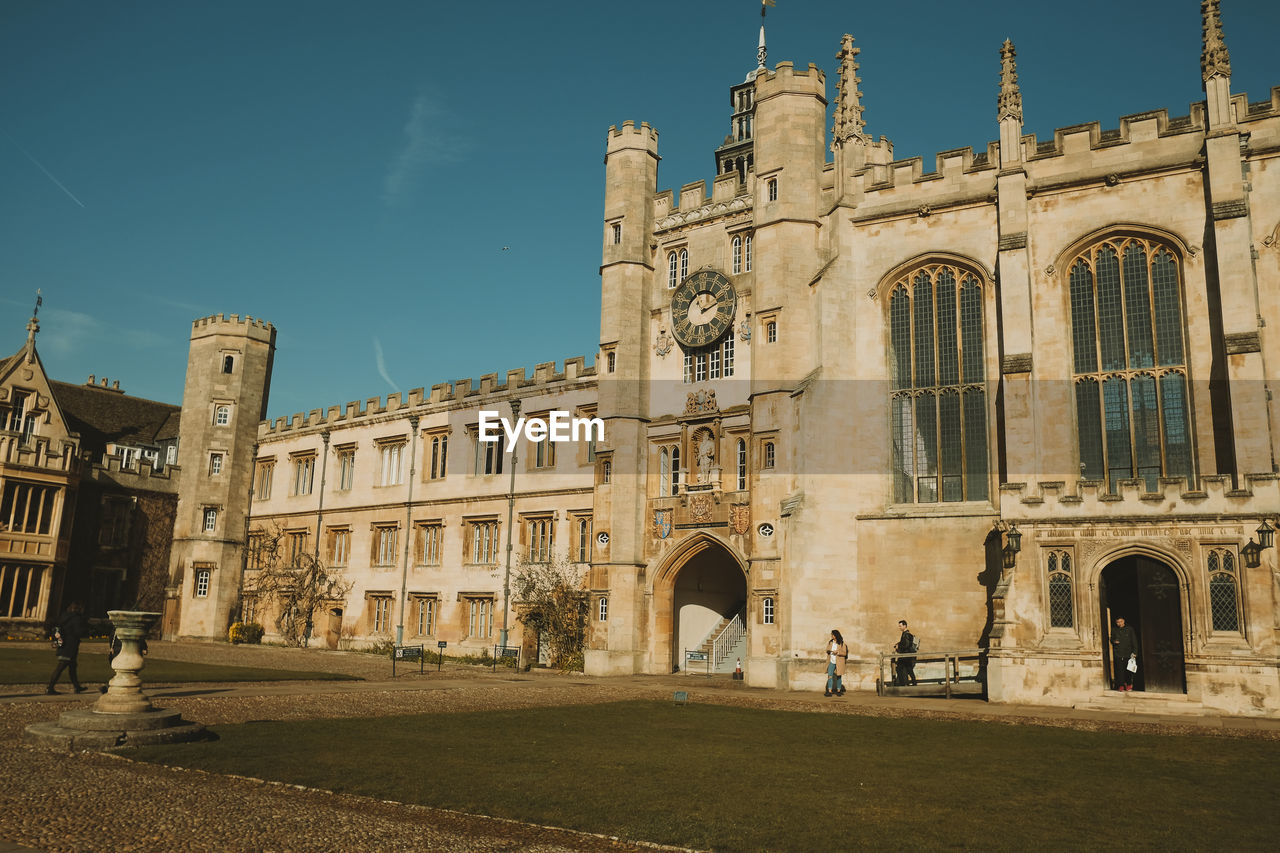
[702, 309]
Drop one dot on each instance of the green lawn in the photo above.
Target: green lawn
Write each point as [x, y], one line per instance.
[740, 779]
[35, 665]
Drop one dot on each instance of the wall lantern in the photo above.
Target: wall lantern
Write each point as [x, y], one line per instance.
[1251, 554]
[1013, 543]
[1266, 536]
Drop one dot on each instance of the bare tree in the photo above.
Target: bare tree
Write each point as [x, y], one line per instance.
[553, 605]
[291, 581]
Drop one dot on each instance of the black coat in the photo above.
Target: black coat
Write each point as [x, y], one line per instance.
[72, 627]
[905, 642]
[1124, 642]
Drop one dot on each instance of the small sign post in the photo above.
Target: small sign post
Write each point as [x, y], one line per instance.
[408, 653]
[442, 645]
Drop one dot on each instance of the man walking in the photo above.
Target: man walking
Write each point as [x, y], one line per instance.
[1124, 646]
[906, 666]
[71, 627]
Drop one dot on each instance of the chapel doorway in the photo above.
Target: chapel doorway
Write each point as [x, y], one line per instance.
[708, 601]
[1146, 593]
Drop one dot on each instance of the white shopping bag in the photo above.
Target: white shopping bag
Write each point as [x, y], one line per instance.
[1132, 665]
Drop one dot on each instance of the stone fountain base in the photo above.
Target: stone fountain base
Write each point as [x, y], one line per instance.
[85, 728]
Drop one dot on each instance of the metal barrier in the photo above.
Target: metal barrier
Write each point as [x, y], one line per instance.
[950, 668]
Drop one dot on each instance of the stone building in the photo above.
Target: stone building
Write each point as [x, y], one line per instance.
[1008, 396]
[87, 494]
[881, 369]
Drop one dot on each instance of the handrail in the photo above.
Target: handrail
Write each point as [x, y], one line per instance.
[950, 660]
[728, 639]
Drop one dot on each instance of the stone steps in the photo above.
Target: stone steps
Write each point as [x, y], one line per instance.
[1135, 702]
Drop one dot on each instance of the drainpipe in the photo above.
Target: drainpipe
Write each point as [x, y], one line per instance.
[511, 508]
[315, 554]
[408, 524]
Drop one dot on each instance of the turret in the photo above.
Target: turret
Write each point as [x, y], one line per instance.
[225, 398]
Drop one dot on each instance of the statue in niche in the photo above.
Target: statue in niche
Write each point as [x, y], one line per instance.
[706, 457]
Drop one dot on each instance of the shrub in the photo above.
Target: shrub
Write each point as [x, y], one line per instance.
[245, 632]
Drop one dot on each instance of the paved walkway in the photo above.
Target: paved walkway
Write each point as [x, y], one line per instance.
[89, 801]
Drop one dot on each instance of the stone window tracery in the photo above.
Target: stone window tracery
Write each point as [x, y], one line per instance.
[1061, 600]
[938, 399]
[1130, 371]
[1224, 598]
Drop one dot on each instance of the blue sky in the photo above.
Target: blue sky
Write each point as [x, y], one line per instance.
[353, 171]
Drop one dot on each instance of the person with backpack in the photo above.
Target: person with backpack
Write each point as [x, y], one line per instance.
[66, 645]
[906, 666]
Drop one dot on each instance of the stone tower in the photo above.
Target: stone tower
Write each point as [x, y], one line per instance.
[631, 179]
[225, 398]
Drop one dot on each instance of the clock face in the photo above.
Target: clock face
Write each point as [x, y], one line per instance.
[702, 309]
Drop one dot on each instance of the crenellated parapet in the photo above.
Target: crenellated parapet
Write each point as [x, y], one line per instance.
[1057, 501]
[139, 475]
[547, 378]
[629, 136]
[216, 324]
[785, 78]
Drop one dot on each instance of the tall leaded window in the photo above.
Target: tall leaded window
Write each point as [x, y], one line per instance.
[684, 264]
[737, 254]
[672, 270]
[1061, 608]
[746, 260]
[742, 464]
[1130, 365]
[938, 401]
[1224, 600]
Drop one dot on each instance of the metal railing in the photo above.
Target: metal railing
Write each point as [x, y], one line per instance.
[727, 640]
[950, 660]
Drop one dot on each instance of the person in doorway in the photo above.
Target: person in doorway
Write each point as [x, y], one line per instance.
[837, 654]
[1124, 647]
[66, 645]
[906, 666]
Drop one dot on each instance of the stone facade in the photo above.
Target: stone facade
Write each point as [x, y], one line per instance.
[837, 387]
[917, 362]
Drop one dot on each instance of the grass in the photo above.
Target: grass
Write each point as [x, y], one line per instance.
[743, 779]
[35, 665]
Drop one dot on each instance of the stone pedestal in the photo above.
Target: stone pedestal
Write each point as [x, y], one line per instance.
[124, 716]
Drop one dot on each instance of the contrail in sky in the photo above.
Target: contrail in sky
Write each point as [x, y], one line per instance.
[47, 173]
[382, 365]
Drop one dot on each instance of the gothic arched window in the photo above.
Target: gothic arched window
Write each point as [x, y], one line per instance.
[742, 464]
[1223, 598]
[684, 264]
[938, 400]
[1130, 366]
[737, 254]
[672, 260]
[1061, 608]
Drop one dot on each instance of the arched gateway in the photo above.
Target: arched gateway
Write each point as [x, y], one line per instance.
[1147, 593]
[698, 589]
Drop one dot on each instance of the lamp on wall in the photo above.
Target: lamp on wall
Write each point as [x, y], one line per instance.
[1013, 543]
[1251, 554]
[1266, 536]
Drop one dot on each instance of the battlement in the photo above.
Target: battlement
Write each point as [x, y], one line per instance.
[1054, 501]
[629, 136]
[220, 324]
[139, 475]
[545, 379]
[784, 79]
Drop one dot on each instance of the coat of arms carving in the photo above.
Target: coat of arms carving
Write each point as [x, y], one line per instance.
[740, 518]
[700, 401]
[663, 344]
[700, 508]
[662, 523]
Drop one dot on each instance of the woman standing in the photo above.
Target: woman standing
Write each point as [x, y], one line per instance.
[837, 654]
